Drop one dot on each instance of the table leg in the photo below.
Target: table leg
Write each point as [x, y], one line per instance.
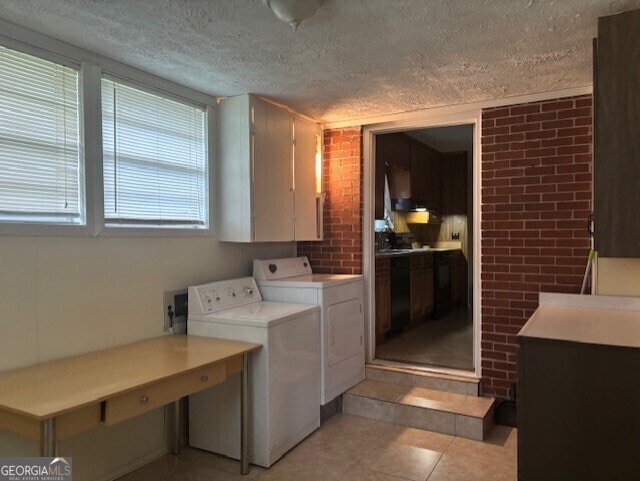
[48, 437]
[244, 416]
[175, 427]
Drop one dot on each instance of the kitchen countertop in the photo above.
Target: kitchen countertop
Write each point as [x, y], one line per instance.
[408, 252]
[604, 320]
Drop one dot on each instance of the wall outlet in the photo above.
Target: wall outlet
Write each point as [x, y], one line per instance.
[455, 235]
[175, 311]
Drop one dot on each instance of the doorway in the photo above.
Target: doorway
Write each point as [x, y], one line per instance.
[423, 210]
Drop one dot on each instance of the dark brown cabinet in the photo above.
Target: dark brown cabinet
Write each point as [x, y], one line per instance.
[383, 297]
[428, 286]
[397, 157]
[413, 169]
[393, 159]
[455, 186]
[379, 178]
[418, 277]
[458, 278]
[617, 136]
[421, 286]
[578, 416]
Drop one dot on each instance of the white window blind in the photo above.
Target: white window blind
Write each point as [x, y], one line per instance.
[154, 159]
[41, 172]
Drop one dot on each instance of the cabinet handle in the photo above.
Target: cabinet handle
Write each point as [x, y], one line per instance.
[144, 399]
[204, 378]
[333, 335]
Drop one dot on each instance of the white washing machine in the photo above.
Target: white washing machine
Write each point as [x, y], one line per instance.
[340, 297]
[284, 375]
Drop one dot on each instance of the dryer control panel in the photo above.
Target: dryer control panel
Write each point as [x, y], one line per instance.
[221, 295]
[270, 269]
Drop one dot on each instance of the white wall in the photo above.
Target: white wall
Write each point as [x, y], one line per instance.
[618, 277]
[61, 296]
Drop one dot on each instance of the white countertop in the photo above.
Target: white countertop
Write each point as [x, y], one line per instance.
[605, 320]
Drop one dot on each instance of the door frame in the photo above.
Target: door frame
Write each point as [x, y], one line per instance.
[423, 120]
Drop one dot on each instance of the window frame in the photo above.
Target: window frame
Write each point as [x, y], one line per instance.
[92, 68]
[54, 228]
[102, 227]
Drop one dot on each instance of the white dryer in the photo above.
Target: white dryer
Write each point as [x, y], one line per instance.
[340, 297]
[284, 375]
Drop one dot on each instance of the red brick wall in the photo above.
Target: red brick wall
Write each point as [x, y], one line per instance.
[341, 250]
[536, 197]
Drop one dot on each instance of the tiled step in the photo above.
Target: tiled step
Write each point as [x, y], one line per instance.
[461, 415]
[437, 381]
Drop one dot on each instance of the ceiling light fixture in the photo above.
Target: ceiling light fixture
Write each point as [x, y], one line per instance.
[294, 11]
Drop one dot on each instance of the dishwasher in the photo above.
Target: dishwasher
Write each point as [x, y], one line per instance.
[442, 284]
[400, 294]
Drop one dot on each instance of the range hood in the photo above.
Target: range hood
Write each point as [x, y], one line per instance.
[416, 211]
[409, 205]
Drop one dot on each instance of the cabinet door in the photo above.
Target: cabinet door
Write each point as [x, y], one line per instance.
[458, 279]
[455, 183]
[428, 288]
[397, 155]
[433, 174]
[383, 298]
[383, 306]
[272, 158]
[379, 178]
[418, 171]
[308, 208]
[617, 122]
[418, 295]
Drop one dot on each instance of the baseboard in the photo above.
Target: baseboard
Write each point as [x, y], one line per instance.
[137, 464]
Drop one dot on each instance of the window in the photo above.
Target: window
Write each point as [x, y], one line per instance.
[41, 166]
[154, 159]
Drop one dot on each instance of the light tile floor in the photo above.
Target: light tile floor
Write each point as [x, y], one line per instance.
[446, 342]
[351, 448]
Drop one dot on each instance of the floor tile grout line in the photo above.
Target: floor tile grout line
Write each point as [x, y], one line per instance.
[436, 465]
[481, 458]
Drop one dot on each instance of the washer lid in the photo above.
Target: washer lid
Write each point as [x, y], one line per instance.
[312, 280]
[258, 314]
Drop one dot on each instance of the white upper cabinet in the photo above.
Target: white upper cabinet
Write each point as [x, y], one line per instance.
[272, 173]
[307, 172]
[266, 173]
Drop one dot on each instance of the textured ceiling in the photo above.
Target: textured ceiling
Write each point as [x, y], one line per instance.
[354, 58]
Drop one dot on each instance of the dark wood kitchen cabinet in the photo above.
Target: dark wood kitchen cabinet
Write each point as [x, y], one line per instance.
[617, 136]
[383, 297]
[458, 278]
[419, 157]
[414, 170]
[379, 178]
[393, 159]
[433, 179]
[428, 287]
[418, 291]
[578, 416]
[397, 158]
[421, 275]
[455, 183]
